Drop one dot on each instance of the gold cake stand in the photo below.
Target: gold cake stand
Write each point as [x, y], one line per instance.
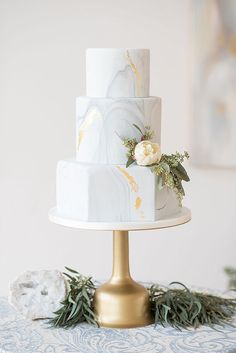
[122, 302]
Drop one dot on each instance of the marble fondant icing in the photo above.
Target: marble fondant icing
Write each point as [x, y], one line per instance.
[97, 186]
[101, 123]
[109, 193]
[117, 72]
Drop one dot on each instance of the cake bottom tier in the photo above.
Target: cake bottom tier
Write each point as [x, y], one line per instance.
[108, 193]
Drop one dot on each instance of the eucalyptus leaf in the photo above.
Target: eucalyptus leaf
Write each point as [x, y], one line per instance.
[129, 162]
[71, 270]
[176, 173]
[182, 172]
[138, 128]
[67, 275]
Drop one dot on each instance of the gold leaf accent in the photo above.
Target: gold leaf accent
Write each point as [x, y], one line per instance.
[130, 178]
[90, 117]
[135, 71]
[138, 202]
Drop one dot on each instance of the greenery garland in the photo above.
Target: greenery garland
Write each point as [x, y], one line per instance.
[178, 307]
[182, 308]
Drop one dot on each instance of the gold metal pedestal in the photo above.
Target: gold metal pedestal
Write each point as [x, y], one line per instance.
[121, 302]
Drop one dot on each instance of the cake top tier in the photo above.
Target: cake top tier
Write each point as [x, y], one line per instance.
[117, 72]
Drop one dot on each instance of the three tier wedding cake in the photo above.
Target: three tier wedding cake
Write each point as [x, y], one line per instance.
[98, 185]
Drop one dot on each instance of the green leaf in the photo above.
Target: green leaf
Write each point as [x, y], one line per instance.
[85, 294]
[71, 270]
[167, 309]
[138, 128]
[176, 173]
[67, 275]
[198, 309]
[90, 311]
[180, 284]
[76, 307]
[182, 172]
[70, 299]
[129, 162]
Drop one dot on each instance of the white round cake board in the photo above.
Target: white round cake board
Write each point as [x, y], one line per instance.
[181, 217]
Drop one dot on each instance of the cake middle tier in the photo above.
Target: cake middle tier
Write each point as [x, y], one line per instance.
[102, 123]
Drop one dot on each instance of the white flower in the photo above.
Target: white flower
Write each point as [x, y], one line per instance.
[147, 152]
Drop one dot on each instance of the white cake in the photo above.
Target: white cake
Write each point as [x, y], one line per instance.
[97, 186]
[117, 72]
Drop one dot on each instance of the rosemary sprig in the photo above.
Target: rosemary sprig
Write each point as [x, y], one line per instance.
[78, 304]
[182, 308]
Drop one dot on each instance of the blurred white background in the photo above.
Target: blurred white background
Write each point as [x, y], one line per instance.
[42, 70]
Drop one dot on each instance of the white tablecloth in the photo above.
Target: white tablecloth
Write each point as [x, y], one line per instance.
[18, 335]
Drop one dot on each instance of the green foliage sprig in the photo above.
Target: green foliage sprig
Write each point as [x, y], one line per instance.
[78, 304]
[172, 172]
[182, 308]
[231, 272]
[169, 169]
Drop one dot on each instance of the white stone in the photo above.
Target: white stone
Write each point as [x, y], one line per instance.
[111, 193]
[101, 123]
[37, 294]
[114, 72]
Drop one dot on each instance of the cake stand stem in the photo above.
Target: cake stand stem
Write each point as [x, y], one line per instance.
[120, 256]
[122, 302]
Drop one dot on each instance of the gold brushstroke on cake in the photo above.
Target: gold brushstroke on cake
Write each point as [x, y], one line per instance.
[134, 187]
[92, 115]
[138, 202]
[130, 179]
[135, 71]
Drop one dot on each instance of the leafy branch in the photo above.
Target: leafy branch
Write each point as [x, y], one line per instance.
[78, 304]
[182, 308]
[172, 172]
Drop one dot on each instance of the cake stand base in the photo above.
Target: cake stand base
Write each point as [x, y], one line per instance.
[121, 302]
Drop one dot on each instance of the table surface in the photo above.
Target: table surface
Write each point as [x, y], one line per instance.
[18, 335]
